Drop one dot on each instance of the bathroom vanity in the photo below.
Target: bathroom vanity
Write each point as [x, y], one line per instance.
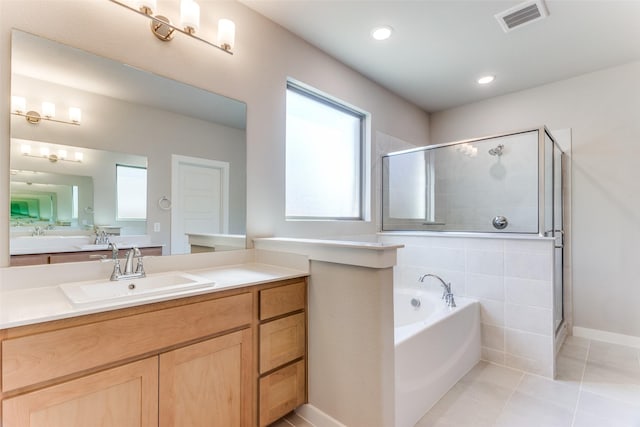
[233, 356]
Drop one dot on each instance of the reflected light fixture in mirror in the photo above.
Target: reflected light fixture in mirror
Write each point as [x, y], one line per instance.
[45, 153]
[163, 29]
[19, 108]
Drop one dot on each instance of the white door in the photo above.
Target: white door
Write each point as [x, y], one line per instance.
[200, 192]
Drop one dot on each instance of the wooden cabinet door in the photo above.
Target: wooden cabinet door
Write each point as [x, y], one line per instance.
[208, 383]
[126, 396]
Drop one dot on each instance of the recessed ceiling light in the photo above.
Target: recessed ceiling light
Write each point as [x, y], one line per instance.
[381, 33]
[485, 80]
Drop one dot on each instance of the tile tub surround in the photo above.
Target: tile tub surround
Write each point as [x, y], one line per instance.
[511, 277]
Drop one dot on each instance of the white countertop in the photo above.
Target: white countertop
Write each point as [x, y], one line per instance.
[26, 245]
[351, 252]
[41, 304]
[59, 250]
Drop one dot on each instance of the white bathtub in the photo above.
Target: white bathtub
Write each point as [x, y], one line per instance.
[434, 347]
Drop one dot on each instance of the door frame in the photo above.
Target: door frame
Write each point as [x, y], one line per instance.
[223, 167]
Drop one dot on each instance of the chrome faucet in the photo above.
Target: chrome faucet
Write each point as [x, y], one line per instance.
[101, 238]
[37, 231]
[447, 295]
[132, 253]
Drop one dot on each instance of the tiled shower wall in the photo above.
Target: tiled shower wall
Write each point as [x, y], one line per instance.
[511, 277]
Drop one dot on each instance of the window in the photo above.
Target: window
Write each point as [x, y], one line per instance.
[131, 191]
[74, 202]
[325, 157]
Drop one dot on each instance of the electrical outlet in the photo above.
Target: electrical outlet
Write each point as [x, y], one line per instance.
[156, 227]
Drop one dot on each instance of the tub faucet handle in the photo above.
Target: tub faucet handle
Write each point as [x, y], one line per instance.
[447, 295]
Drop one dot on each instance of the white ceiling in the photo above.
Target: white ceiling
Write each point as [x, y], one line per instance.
[440, 48]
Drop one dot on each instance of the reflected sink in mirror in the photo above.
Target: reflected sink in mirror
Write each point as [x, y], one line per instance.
[172, 283]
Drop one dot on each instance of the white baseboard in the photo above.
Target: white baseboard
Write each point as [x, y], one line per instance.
[316, 417]
[610, 337]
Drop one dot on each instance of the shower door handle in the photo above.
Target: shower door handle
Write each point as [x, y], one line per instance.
[552, 233]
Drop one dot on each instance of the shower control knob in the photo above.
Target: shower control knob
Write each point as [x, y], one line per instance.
[500, 222]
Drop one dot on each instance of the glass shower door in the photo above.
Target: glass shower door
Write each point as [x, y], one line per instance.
[553, 221]
[558, 234]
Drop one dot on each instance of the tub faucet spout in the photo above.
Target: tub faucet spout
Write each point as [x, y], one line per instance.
[447, 294]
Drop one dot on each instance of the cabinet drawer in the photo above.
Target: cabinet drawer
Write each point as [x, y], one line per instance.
[41, 357]
[282, 300]
[282, 341]
[281, 392]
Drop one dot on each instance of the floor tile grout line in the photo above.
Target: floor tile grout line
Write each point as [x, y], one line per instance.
[506, 402]
[584, 370]
[310, 423]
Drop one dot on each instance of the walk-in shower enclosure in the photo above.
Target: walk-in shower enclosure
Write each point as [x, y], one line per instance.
[509, 183]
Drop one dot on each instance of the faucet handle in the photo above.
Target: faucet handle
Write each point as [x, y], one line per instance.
[116, 273]
[140, 266]
[114, 250]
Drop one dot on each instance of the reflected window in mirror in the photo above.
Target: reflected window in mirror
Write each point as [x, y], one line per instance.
[131, 189]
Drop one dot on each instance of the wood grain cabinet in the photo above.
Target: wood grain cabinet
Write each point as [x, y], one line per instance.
[282, 351]
[188, 362]
[126, 396]
[112, 369]
[207, 384]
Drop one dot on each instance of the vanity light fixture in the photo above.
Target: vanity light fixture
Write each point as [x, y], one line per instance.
[45, 153]
[164, 29]
[19, 108]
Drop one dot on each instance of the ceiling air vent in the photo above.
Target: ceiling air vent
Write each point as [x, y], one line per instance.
[522, 14]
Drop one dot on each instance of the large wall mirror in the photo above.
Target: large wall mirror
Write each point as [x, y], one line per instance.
[148, 160]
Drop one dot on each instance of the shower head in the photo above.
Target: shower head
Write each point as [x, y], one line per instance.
[497, 151]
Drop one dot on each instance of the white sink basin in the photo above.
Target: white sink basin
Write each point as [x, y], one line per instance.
[159, 284]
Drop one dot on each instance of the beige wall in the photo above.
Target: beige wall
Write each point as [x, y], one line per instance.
[265, 55]
[602, 109]
[351, 348]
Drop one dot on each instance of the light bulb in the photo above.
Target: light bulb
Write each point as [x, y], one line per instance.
[226, 34]
[25, 149]
[79, 156]
[44, 151]
[62, 154]
[190, 16]
[18, 104]
[75, 114]
[49, 109]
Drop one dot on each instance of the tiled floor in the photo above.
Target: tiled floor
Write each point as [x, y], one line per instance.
[598, 385]
[292, 420]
